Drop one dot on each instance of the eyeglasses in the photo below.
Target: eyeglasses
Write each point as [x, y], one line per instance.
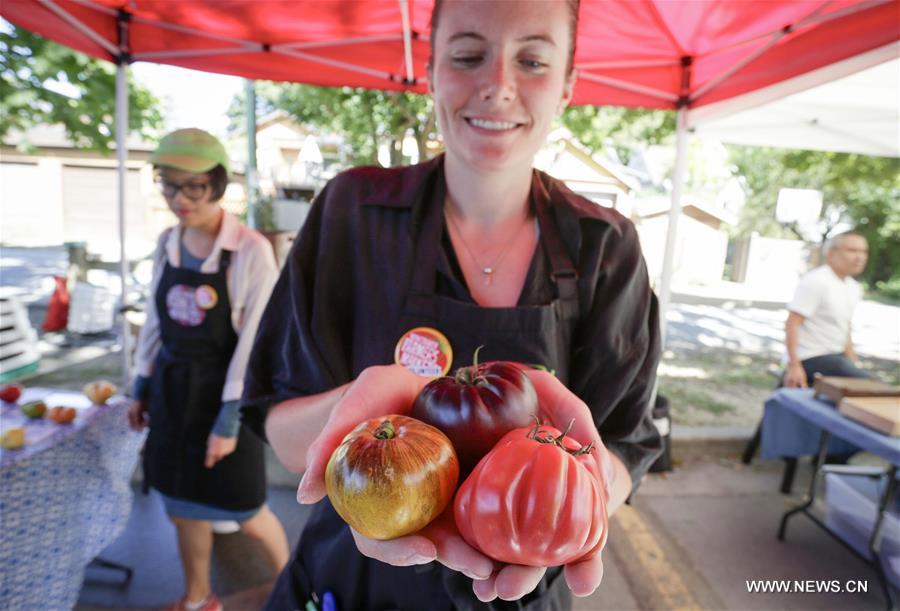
[191, 190]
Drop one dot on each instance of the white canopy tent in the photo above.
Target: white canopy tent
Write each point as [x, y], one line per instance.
[852, 106]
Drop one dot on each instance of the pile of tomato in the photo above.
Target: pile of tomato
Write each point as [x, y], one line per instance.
[529, 495]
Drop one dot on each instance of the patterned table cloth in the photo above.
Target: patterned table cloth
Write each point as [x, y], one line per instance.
[63, 497]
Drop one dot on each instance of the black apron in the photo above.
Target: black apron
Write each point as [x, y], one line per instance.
[327, 559]
[186, 397]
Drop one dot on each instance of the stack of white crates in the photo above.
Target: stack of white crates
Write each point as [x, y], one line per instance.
[91, 309]
[19, 353]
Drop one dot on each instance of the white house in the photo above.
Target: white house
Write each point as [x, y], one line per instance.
[288, 154]
[52, 193]
[598, 179]
[701, 241]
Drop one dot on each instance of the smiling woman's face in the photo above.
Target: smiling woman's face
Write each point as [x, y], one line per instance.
[499, 77]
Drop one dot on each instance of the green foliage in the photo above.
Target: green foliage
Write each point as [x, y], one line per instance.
[622, 129]
[237, 109]
[33, 71]
[889, 289]
[860, 190]
[365, 118]
[264, 214]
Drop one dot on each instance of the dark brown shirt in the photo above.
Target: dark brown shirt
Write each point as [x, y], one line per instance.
[335, 308]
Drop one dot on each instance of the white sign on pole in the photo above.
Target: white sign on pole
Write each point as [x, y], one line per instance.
[801, 206]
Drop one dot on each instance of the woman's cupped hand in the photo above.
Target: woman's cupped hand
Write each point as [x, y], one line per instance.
[392, 389]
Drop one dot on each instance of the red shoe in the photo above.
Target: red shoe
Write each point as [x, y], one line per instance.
[212, 603]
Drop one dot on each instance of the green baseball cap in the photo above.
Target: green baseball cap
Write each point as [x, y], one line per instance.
[191, 150]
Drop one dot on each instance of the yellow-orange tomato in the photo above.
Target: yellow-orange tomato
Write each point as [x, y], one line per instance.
[98, 392]
[62, 415]
[13, 439]
[391, 476]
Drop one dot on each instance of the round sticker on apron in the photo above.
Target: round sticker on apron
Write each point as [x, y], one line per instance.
[206, 297]
[425, 352]
[181, 304]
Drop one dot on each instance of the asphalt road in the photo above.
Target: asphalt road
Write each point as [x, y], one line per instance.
[722, 317]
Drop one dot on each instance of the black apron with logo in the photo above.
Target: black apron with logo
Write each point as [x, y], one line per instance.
[327, 559]
[186, 396]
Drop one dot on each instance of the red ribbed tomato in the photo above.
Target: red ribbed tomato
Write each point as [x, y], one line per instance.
[535, 499]
[477, 406]
[391, 476]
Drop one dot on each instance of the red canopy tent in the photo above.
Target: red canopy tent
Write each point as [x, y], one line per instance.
[650, 53]
[666, 54]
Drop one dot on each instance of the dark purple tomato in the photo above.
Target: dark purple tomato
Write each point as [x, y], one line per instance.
[477, 406]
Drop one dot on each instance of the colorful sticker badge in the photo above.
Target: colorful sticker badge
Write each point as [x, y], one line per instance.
[181, 305]
[206, 297]
[425, 352]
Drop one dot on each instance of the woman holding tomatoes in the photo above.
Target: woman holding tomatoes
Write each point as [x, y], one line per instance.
[477, 248]
[211, 279]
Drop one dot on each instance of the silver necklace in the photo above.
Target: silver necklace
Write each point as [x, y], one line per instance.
[486, 270]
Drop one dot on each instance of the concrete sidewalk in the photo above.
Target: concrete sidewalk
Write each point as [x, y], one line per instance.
[708, 528]
[692, 539]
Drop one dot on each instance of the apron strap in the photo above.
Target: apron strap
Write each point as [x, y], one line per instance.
[425, 253]
[563, 272]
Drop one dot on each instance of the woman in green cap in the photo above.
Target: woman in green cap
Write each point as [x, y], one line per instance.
[212, 278]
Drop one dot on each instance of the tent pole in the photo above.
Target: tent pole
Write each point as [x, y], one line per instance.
[407, 42]
[122, 158]
[250, 171]
[122, 155]
[665, 281]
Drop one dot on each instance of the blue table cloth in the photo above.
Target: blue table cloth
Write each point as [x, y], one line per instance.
[793, 424]
[63, 497]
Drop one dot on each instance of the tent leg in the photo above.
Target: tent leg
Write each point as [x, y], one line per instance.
[665, 282]
[251, 172]
[122, 155]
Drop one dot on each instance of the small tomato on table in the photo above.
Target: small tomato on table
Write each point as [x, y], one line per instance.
[100, 391]
[61, 414]
[13, 438]
[34, 409]
[391, 476]
[11, 393]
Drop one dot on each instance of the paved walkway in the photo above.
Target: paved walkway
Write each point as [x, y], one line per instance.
[692, 540]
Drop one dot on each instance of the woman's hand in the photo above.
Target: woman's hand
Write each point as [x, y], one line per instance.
[439, 541]
[558, 407]
[217, 448]
[383, 390]
[379, 391]
[138, 415]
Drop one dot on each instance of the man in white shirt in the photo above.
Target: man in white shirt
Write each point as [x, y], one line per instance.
[817, 332]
